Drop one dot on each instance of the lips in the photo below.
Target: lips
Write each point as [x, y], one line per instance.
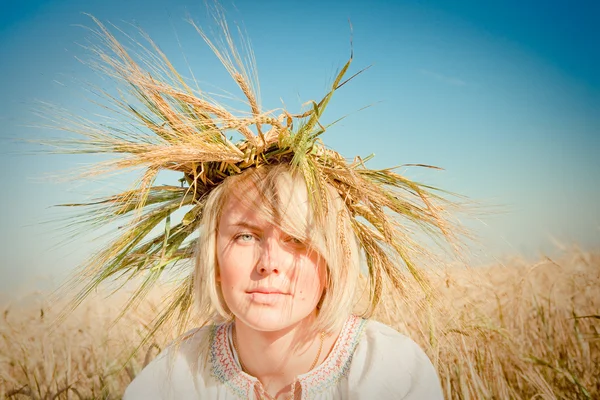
[267, 296]
[263, 290]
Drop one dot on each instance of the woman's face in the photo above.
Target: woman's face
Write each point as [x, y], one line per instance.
[269, 280]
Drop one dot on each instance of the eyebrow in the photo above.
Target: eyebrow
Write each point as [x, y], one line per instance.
[244, 224]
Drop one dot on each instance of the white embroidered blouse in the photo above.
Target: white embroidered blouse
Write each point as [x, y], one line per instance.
[368, 361]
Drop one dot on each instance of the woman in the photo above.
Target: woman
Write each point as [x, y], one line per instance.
[297, 246]
[284, 285]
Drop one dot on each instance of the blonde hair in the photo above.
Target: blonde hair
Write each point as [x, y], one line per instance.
[281, 200]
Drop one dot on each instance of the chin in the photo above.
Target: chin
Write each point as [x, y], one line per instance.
[269, 319]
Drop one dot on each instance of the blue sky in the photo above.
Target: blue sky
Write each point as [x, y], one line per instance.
[505, 96]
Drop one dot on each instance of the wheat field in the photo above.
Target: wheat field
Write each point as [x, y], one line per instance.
[515, 330]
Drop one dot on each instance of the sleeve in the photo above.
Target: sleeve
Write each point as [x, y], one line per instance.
[425, 383]
[388, 365]
[173, 374]
[152, 381]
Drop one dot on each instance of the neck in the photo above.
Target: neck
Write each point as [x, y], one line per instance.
[277, 358]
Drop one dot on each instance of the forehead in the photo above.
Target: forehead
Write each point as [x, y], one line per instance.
[234, 212]
[281, 201]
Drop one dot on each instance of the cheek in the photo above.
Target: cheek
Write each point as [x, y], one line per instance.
[310, 280]
[230, 261]
[228, 274]
[230, 280]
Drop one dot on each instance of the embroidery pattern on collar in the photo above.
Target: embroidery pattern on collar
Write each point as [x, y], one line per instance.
[224, 367]
[337, 364]
[335, 367]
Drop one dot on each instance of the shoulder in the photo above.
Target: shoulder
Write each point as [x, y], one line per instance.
[393, 365]
[175, 370]
[387, 344]
[378, 334]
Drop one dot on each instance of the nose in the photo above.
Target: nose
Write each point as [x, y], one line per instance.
[271, 258]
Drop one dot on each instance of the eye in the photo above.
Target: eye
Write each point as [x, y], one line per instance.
[295, 242]
[244, 237]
